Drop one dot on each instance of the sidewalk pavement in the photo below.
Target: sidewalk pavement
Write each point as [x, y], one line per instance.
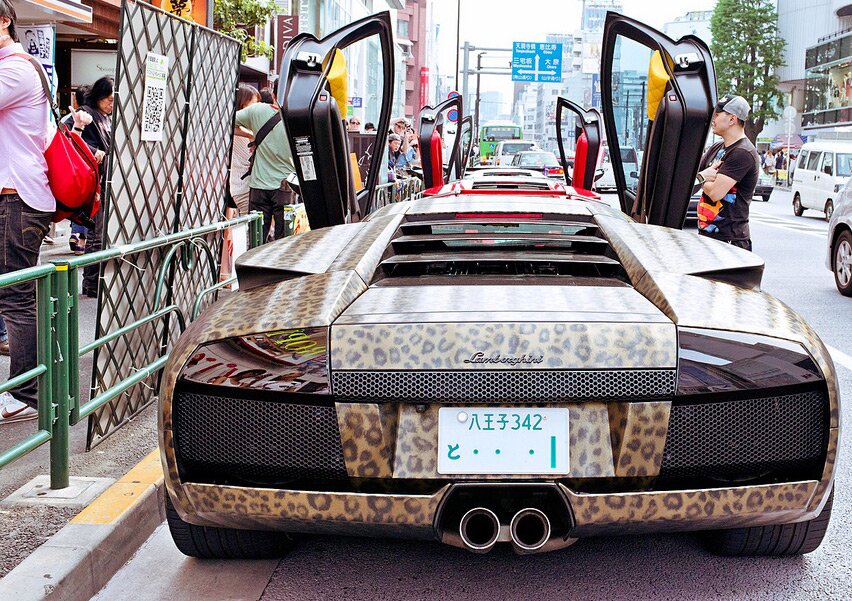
[24, 528]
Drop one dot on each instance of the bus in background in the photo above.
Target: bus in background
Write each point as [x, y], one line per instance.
[493, 132]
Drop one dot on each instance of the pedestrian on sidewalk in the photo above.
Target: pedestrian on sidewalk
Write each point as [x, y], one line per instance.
[98, 135]
[79, 233]
[728, 176]
[26, 207]
[272, 163]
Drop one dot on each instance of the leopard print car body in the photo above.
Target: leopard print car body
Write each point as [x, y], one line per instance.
[392, 443]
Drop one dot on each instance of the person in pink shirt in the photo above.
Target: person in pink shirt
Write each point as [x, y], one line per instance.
[26, 207]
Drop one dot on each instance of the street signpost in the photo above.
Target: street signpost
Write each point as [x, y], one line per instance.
[537, 61]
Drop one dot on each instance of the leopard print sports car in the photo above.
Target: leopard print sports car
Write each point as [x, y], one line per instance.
[507, 359]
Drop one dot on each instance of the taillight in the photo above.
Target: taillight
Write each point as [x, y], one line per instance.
[291, 360]
[554, 171]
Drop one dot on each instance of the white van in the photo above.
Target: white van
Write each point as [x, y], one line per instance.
[506, 150]
[820, 173]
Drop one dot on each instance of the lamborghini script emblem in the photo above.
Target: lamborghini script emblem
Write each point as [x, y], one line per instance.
[480, 358]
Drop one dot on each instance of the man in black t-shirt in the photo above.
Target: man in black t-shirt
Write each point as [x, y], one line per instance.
[727, 176]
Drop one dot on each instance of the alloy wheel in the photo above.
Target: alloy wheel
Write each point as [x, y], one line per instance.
[843, 263]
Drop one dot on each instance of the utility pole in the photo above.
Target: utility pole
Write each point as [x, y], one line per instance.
[465, 70]
[476, 109]
[458, 40]
[642, 118]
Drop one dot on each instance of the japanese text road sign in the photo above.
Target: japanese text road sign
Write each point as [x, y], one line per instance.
[536, 61]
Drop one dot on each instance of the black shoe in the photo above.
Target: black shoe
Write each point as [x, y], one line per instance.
[90, 292]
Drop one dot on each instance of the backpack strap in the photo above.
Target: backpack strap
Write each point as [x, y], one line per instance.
[260, 137]
[44, 83]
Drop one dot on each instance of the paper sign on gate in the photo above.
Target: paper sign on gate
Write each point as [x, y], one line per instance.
[154, 98]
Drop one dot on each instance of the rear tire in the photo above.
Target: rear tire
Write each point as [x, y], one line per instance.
[798, 209]
[766, 198]
[783, 539]
[841, 257]
[224, 543]
[829, 210]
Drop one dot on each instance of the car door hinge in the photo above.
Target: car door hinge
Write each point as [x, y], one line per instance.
[685, 61]
[311, 59]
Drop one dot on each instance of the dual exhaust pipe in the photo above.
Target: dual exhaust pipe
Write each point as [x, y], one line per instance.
[528, 531]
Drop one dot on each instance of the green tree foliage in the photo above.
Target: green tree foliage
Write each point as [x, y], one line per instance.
[237, 17]
[747, 51]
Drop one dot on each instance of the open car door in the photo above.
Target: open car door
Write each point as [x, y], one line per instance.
[430, 136]
[658, 96]
[461, 158]
[313, 97]
[587, 136]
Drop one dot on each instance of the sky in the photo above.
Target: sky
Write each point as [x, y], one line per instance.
[498, 23]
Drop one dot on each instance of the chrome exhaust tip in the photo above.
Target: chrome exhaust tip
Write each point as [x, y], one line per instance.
[530, 530]
[479, 529]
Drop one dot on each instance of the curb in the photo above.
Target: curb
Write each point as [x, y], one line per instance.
[78, 561]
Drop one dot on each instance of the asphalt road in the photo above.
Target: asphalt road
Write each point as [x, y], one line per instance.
[659, 567]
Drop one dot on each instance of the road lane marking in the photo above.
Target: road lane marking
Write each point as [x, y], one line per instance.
[840, 357]
[784, 224]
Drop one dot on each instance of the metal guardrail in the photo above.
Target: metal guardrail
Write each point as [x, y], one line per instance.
[405, 189]
[58, 368]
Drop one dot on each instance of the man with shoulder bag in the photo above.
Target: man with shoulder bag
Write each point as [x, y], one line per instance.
[27, 206]
[270, 165]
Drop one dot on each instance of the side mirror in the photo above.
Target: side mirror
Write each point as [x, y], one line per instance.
[827, 170]
[599, 173]
[634, 174]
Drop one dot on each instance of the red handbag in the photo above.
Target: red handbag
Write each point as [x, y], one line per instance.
[72, 170]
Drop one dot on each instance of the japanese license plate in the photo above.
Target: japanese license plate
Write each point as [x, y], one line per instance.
[496, 440]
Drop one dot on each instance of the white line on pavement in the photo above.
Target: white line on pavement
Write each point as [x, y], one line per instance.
[791, 227]
[840, 357]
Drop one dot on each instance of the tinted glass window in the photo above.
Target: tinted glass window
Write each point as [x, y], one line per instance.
[629, 97]
[827, 163]
[813, 161]
[538, 158]
[844, 164]
[514, 147]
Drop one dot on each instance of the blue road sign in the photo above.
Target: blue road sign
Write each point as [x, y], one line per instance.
[537, 61]
[453, 115]
[355, 102]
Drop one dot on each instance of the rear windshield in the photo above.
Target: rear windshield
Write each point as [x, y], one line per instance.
[628, 155]
[548, 159]
[516, 147]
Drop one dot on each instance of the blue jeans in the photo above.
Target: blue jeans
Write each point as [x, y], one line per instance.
[22, 229]
[81, 231]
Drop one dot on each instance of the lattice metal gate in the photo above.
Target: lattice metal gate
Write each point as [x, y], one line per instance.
[160, 187]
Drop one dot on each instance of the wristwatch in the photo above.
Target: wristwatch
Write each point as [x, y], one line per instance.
[78, 129]
[700, 178]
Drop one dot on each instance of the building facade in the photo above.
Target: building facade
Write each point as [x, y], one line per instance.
[818, 52]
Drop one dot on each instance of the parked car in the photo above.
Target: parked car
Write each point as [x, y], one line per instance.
[524, 365]
[507, 149]
[821, 172]
[765, 185]
[630, 162]
[539, 160]
[839, 256]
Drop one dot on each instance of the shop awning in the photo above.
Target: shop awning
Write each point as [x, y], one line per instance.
[69, 11]
[780, 141]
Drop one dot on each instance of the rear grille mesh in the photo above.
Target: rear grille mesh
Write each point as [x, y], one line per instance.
[227, 439]
[746, 438]
[502, 385]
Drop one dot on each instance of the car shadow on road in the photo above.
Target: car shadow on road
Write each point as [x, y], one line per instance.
[638, 567]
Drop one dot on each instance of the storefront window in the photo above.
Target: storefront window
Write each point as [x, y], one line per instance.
[828, 83]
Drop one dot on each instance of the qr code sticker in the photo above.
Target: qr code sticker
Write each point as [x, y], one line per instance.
[152, 117]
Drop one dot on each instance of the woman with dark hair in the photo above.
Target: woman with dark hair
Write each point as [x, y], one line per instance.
[238, 185]
[98, 135]
[240, 152]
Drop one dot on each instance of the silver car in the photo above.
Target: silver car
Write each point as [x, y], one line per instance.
[839, 259]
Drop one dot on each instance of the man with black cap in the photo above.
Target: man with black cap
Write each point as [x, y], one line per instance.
[728, 175]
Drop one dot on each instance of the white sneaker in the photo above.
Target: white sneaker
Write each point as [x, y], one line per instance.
[13, 410]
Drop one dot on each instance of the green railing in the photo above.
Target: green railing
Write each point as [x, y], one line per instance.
[59, 352]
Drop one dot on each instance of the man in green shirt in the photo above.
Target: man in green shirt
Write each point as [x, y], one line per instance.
[273, 162]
